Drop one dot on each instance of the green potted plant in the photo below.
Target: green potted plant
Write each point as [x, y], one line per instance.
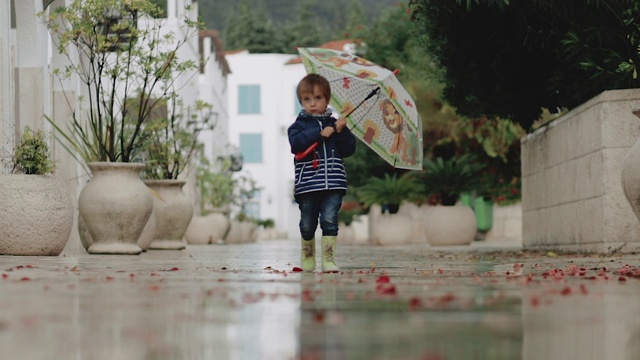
[173, 142]
[37, 211]
[390, 191]
[443, 181]
[127, 65]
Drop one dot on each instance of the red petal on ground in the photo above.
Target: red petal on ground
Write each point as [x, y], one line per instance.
[155, 288]
[174, 269]
[4, 276]
[566, 291]
[109, 278]
[132, 275]
[296, 269]
[318, 316]
[306, 295]
[534, 301]
[415, 303]
[517, 267]
[28, 266]
[386, 289]
[583, 289]
[383, 279]
[446, 298]
[622, 278]
[25, 279]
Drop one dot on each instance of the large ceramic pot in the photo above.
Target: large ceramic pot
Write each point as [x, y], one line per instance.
[208, 229]
[144, 240]
[392, 229]
[173, 210]
[450, 225]
[115, 207]
[36, 215]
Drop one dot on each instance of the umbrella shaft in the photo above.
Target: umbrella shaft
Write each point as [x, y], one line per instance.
[373, 92]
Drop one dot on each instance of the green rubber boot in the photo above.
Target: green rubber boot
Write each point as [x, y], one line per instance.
[308, 258]
[328, 248]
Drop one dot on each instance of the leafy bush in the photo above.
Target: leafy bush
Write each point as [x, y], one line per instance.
[390, 190]
[31, 155]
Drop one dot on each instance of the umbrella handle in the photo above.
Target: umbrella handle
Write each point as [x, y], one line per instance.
[304, 154]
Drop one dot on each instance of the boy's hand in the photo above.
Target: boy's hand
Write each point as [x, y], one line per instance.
[340, 124]
[327, 131]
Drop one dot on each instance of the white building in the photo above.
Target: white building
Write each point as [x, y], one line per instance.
[262, 105]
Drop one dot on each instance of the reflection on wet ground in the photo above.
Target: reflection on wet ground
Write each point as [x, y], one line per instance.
[246, 302]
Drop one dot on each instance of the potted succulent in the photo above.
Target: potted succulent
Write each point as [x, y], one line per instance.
[390, 192]
[443, 181]
[125, 68]
[173, 142]
[37, 213]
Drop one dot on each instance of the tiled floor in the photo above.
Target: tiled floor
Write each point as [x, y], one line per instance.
[245, 302]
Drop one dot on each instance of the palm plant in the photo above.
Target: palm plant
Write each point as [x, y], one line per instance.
[389, 191]
[446, 179]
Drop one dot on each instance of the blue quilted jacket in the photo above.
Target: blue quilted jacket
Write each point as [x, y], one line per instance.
[323, 169]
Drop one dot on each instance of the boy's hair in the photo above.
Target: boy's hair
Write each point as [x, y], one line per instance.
[309, 82]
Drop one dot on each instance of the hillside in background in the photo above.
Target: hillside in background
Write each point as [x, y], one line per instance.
[333, 13]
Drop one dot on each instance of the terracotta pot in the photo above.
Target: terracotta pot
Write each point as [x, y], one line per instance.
[450, 225]
[36, 215]
[173, 210]
[115, 207]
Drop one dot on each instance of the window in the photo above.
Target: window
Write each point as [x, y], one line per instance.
[297, 105]
[251, 148]
[249, 99]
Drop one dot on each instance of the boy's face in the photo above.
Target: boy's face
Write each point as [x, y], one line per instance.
[313, 103]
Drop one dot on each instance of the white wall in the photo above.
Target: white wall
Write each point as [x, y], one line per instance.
[275, 174]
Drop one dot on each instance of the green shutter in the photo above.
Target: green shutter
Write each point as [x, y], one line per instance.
[251, 148]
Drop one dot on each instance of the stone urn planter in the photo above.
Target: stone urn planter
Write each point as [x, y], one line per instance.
[115, 207]
[448, 225]
[392, 229]
[144, 240]
[208, 229]
[173, 210]
[36, 215]
[346, 234]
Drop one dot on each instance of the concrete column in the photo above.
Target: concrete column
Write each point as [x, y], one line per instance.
[6, 89]
[31, 38]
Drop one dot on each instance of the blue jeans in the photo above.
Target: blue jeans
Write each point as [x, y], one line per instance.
[323, 205]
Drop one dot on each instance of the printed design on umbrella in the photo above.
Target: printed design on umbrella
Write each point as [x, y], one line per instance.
[395, 123]
[371, 131]
[363, 74]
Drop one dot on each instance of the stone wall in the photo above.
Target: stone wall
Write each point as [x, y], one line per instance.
[572, 196]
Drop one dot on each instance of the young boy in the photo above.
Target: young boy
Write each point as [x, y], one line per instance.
[320, 176]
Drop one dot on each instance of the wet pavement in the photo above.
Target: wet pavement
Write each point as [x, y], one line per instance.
[244, 301]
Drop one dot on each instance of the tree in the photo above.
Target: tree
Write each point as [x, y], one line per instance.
[251, 30]
[356, 26]
[512, 59]
[305, 31]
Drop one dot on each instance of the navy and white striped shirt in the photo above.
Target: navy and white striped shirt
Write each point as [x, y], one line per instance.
[329, 174]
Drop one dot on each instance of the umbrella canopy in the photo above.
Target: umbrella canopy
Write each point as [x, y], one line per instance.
[379, 110]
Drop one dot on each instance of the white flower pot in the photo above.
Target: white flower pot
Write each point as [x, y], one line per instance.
[36, 215]
[115, 207]
[450, 225]
[173, 210]
[392, 229]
